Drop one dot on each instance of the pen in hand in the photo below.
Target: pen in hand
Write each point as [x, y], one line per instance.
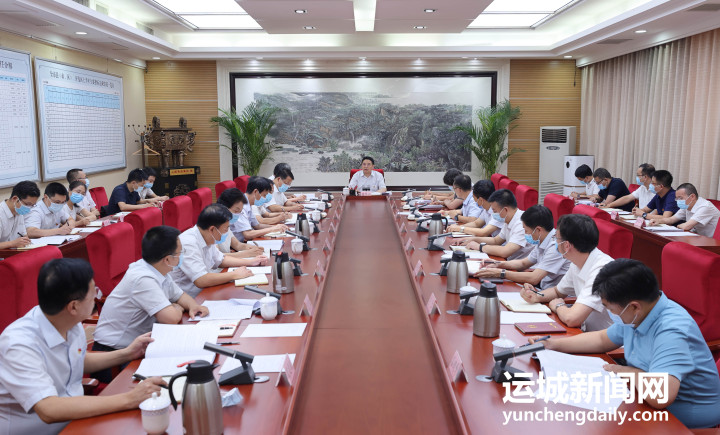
[141, 378]
[539, 339]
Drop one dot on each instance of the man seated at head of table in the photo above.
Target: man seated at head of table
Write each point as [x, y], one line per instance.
[146, 295]
[470, 211]
[201, 255]
[76, 198]
[643, 194]
[663, 203]
[484, 225]
[449, 200]
[611, 188]
[125, 196]
[576, 239]
[246, 226]
[43, 356]
[659, 337]
[146, 193]
[548, 265]
[50, 216]
[510, 242]
[235, 201]
[282, 180]
[585, 175]
[87, 203]
[367, 178]
[697, 214]
[13, 211]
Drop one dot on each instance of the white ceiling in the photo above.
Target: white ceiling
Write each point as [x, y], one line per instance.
[589, 31]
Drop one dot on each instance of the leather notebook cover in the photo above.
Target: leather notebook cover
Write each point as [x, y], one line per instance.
[540, 328]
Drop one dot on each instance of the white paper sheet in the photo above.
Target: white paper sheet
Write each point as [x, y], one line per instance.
[511, 318]
[518, 304]
[84, 230]
[275, 245]
[258, 279]
[261, 363]
[176, 344]
[55, 240]
[95, 224]
[225, 310]
[260, 270]
[470, 255]
[274, 330]
[167, 366]
[675, 234]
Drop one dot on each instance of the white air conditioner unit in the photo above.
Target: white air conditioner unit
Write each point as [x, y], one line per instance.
[555, 144]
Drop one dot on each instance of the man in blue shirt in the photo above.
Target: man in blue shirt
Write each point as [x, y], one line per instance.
[659, 337]
[663, 203]
[470, 211]
[611, 188]
[125, 196]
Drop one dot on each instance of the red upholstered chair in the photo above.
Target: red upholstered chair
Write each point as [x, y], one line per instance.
[178, 212]
[223, 186]
[111, 249]
[200, 198]
[509, 184]
[558, 205]
[141, 221]
[526, 196]
[18, 285]
[495, 178]
[615, 240]
[353, 171]
[593, 212]
[716, 202]
[633, 187]
[691, 277]
[99, 195]
[241, 182]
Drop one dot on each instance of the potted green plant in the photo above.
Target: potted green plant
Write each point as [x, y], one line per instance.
[247, 132]
[488, 134]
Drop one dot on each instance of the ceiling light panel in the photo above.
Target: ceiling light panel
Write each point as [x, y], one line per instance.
[527, 6]
[224, 21]
[201, 7]
[506, 20]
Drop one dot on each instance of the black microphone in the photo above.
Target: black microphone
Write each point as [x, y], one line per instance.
[260, 291]
[239, 376]
[436, 236]
[522, 350]
[242, 357]
[299, 236]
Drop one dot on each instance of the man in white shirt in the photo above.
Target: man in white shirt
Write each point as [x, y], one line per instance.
[282, 181]
[50, 217]
[642, 194]
[700, 215]
[13, 210]
[470, 211]
[201, 254]
[247, 226]
[510, 243]
[368, 178]
[43, 356]
[585, 175]
[449, 200]
[268, 211]
[146, 193]
[577, 237]
[87, 203]
[484, 225]
[235, 201]
[548, 265]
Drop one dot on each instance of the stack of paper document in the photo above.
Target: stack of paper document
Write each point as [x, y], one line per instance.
[514, 302]
[511, 318]
[663, 228]
[292, 220]
[261, 363]
[274, 245]
[175, 345]
[259, 279]
[84, 230]
[225, 310]
[95, 224]
[54, 240]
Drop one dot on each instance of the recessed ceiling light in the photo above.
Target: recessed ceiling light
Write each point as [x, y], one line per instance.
[640, 31]
[301, 11]
[420, 27]
[567, 57]
[117, 60]
[464, 57]
[309, 27]
[361, 58]
[430, 11]
[81, 33]
[156, 58]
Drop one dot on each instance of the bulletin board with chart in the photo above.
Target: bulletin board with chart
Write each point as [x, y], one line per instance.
[18, 141]
[81, 118]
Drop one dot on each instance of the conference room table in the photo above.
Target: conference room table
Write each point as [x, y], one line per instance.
[371, 359]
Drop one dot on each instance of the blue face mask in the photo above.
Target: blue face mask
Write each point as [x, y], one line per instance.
[530, 240]
[283, 188]
[55, 208]
[234, 218]
[617, 319]
[75, 198]
[87, 182]
[23, 209]
[452, 189]
[651, 189]
[260, 202]
[602, 187]
[682, 204]
[223, 237]
[148, 185]
[583, 182]
[557, 248]
[180, 258]
[498, 217]
[268, 198]
[637, 180]
[139, 188]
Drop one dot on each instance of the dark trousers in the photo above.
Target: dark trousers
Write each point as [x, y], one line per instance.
[105, 376]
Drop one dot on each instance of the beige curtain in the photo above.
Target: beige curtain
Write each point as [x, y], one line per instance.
[660, 106]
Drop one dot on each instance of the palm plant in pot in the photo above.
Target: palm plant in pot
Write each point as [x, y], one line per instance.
[247, 132]
[487, 136]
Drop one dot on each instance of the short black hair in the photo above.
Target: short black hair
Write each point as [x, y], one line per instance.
[136, 175]
[231, 196]
[483, 189]
[602, 174]
[689, 189]
[55, 188]
[72, 174]
[62, 281]
[647, 169]
[450, 174]
[625, 280]
[213, 215]
[75, 184]
[149, 172]
[583, 171]
[504, 198]
[580, 230]
[262, 184]
[663, 177]
[538, 216]
[24, 189]
[368, 158]
[463, 182]
[283, 173]
[159, 242]
[279, 167]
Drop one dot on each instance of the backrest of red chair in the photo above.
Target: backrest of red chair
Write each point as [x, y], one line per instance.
[141, 221]
[495, 178]
[353, 171]
[111, 249]
[200, 198]
[241, 182]
[99, 196]
[691, 277]
[178, 212]
[507, 183]
[223, 186]
[593, 212]
[558, 205]
[18, 286]
[526, 196]
[615, 240]
[716, 202]
[633, 187]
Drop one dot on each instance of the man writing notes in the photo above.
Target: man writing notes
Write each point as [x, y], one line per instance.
[611, 188]
[201, 255]
[660, 338]
[642, 194]
[13, 210]
[469, 212]
[125, 196]
[449, 200]
[282, 180]
[368, 178]
[146, 194]
[246, 226]
[585, 175]
[484, 225]
[50, 217]
[699, 215]
[43, 356]
[663, 203]
[87, 203]
[235, 201]
[548, 265]
[576, 237]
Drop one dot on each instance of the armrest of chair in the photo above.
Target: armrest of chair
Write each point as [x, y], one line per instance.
[89, 385]
[617, 354]
[714, 346]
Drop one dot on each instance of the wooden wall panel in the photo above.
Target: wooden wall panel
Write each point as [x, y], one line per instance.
[548, 94]
[188, 89]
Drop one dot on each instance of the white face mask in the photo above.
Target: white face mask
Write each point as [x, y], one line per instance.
[617, 318]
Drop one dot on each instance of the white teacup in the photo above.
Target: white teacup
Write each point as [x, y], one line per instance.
[346, 191]
[503, 343]
[324, 196]
[321, 206]
[296, 245]
[316, 215]
[268, 307]
[155, 414]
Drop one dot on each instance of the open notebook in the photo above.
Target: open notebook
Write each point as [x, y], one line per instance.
[175, 345]
[514, 302]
